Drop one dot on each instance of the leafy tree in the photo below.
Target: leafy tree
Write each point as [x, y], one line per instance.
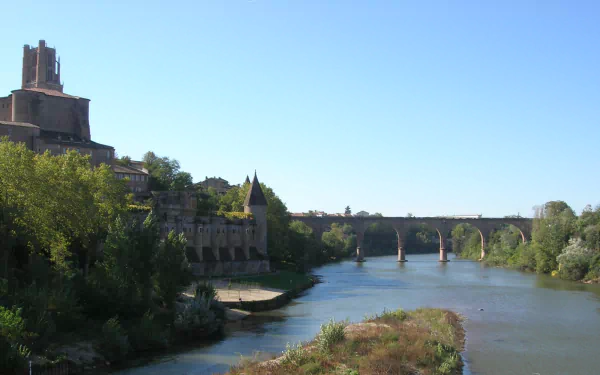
[173, 270]
[123, 161]
[553, 227]
[574, 260]
[165, 173]
[304, 249]
[347, 210]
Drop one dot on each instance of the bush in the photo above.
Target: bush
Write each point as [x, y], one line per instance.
[311, 368]
[523, 258]
[331, 333]
[199, 316]
[206, 289]
[448, 359]
[397, 314]
[295, 355]
[114, 344]
[148, 334]
[574, 261]
[13, 354]
[594, 272]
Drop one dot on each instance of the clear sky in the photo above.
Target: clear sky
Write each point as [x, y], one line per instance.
[428, 107]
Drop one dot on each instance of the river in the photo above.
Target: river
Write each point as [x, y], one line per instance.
[530, 324]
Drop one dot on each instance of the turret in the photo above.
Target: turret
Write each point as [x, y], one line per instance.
[256, 204]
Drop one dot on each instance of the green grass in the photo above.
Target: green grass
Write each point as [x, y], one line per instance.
[285, 280]
[424, 341]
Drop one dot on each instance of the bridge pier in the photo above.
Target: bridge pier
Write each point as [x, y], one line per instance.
[401, 252]
[443, 255]
[401, 255]
[360, 254]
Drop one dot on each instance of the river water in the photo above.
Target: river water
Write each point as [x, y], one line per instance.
[530, 324]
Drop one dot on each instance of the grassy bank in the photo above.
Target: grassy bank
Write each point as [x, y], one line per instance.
[424, 341]
[284, 280]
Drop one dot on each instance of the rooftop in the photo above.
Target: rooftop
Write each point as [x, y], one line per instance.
[54, 137]
[255, 196]
[128, 169]
[50, 92]
[22, 124]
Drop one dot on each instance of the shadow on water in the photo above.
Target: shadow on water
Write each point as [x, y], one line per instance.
[516, 322]
[549, 282]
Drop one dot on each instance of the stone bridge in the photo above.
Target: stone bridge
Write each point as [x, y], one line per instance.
[401, 225]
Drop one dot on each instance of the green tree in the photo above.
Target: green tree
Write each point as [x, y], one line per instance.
[165, 173]
[347, 210]
[173, 270]
[553, 227]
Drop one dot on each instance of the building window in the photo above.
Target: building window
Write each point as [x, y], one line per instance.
[108, 155]
[91, 154]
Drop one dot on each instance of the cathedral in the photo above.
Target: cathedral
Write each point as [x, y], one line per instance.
[43, 117]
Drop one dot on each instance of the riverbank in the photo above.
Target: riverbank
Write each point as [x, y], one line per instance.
[424, 341]
[239, 298]
[260, 292]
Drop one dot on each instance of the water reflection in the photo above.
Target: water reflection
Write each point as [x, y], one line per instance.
[528, 324]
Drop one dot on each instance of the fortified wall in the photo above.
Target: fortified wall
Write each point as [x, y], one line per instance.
[218, 246]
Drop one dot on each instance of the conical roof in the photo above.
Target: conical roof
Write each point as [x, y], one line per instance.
[247, 180]
[255, 196]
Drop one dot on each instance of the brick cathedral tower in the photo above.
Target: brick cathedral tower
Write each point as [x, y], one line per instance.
[41, 69]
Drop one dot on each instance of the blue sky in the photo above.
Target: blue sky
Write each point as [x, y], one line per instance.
[428, 107]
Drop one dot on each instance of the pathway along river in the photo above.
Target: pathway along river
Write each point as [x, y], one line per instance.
[530, 324]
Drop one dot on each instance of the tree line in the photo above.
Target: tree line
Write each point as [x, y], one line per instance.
[75, 264]
[562, 244]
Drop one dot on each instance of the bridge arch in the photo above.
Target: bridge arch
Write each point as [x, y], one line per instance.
[401, 225]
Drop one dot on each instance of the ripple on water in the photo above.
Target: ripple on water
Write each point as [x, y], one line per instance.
[529, 323]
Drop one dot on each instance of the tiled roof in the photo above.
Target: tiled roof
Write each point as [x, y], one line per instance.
[127, 169]
[52, 93]
[53, 137]
[255, 196]
[22, 124]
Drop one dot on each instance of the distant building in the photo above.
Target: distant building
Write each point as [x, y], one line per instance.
[43, 117]
[219, 184]
[136, 175]
[218, 246]
[362, 214]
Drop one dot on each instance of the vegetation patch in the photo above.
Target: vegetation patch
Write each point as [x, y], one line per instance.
[424, 341]
[562, 244]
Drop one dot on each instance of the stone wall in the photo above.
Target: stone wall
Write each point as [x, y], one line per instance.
[20, 133]
[217, 246]
[6, 108]
[56, 113]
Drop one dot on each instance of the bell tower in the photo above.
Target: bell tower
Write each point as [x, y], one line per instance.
[41, 69]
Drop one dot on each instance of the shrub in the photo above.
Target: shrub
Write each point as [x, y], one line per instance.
[399, 314]
[114, 344]
[295, 355]
[447, 357]
[206, 289]
[200, 315]
[331, 333]
[594, 272]
[148, 334]
[574, 261]
[311, 368]
[13, 354]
